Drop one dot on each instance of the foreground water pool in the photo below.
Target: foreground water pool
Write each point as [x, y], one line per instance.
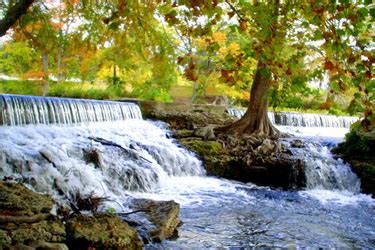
[218, 213]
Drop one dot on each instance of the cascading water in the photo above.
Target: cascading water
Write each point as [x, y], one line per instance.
[302, 120]
[118, 154]
[130, 156]
[21, 110]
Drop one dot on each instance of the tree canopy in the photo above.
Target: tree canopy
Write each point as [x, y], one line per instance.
[272, 48]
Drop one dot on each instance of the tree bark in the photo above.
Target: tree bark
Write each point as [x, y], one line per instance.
[13, 14]
[255, 120]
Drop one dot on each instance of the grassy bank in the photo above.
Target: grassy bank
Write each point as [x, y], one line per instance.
[103, 91]
[65, 89]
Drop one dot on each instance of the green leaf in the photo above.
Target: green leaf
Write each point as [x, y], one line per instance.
[340, 32]
[372, 12]
[335, 86]
[363, 12]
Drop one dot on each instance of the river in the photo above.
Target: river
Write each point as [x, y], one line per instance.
[123, 156]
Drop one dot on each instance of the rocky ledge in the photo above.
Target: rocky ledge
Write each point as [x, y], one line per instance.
[28, 220]
[262, 161]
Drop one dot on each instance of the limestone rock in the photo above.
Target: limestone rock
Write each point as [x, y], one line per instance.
[297, 144]
[16, 199]
[101, 232]
[5, 240]
[207, 132]
[48, 231]
[25, 217]
[163, 215]
[48, 245]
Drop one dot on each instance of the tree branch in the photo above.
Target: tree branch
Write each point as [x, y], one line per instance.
[236, 11]
[13, 14]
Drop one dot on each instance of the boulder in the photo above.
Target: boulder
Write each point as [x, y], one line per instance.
[101, 232]
[25, 217]
[17, 200]
[163, 217]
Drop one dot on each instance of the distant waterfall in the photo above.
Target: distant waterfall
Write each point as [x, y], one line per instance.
[21, 110]
[303, 120]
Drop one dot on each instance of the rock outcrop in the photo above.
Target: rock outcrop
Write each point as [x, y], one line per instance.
[101, 232]
[26, 219]
[262, 161]
[26, 222]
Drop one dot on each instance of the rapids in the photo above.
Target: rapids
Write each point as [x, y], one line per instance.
[120, 157]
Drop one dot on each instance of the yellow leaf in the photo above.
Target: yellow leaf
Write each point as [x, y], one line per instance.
[218, 37]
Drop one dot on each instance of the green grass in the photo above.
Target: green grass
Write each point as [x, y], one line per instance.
[65, 89]
[20, 87]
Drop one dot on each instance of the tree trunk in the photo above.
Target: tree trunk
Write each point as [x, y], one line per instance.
[45, 72]
[255, 120]
[59, 55]
[114, 75]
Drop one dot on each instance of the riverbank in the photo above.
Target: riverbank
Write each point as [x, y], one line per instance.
[262, 161]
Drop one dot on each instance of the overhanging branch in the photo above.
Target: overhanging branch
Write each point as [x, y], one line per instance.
[236, 11]
[13, 14]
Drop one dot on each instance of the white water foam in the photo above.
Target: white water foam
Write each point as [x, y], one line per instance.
[338, 197]
[52, 159]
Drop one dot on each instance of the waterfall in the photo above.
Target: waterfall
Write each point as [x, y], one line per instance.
[107, 148]
[110, 159]
[302, 119]
[21, 110]
[323, 171]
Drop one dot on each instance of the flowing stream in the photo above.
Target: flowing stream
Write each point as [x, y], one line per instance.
[122, 156]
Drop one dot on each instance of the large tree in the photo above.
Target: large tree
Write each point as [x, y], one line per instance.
[282, 34]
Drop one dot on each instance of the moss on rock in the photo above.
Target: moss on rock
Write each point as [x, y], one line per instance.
[48, 231]
[16, 199]
[101, 232]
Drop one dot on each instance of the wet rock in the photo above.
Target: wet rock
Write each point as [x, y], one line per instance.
[207, 132]
[162, 215]
[101, 232]
[297, 144]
